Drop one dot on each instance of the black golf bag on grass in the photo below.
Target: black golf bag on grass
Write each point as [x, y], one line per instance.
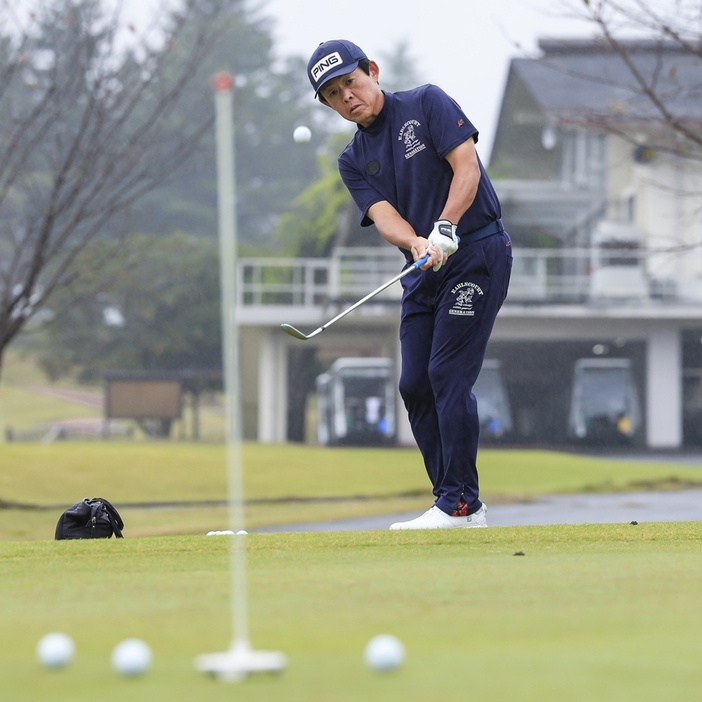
[92, 518]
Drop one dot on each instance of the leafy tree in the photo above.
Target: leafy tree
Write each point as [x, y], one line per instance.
[310, 226]
[271, 98]
[156, 308]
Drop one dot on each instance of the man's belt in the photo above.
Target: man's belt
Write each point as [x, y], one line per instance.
[477, 234]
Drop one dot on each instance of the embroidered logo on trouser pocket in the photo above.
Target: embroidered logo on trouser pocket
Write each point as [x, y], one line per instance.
[465, 294]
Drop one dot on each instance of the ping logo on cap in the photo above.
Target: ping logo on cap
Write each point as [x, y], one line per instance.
[325, 64]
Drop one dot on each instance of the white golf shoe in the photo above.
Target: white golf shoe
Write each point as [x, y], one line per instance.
[434, 518]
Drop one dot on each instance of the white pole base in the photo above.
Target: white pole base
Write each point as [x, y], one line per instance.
[239, 661]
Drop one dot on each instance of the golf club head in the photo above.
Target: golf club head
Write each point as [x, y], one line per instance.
[288, 329]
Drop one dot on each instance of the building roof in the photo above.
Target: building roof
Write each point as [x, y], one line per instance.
[586, 81]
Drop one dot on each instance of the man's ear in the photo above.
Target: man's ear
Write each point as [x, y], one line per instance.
[374, 71]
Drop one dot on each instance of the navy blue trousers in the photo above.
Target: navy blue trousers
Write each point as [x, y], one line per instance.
[447, 319]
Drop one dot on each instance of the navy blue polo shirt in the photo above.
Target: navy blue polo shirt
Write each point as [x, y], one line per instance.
[400, 158]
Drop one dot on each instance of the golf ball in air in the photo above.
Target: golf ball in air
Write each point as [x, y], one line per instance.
[302, 135]
[131, 657]
[384, 652]
[55, 650]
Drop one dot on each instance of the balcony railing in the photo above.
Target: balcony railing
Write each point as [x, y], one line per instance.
[349, 274]
[538, 275]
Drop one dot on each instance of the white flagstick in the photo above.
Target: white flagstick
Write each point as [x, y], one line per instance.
[240, 659]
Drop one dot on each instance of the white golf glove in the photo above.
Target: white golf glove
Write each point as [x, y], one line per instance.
[443, 237]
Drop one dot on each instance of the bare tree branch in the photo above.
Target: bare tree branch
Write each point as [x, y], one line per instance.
[678, 28]
[89, 127]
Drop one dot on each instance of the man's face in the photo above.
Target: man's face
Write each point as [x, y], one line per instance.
[356, 96]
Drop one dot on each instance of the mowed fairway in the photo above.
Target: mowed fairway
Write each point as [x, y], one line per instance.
[593, 612]
[357, 482]
[587, 613]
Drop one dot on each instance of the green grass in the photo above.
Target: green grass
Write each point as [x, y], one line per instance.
[30, 409]
[601, 612]
[139, 471]
[48, 474]
[597, 612]
[63, 473]
[26, 405]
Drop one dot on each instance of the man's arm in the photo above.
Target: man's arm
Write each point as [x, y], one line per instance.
[464, 185]
[466, 175]
[399, 232]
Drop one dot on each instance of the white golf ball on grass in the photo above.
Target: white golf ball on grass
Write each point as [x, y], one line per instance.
[131, 657]
[384, 652]
[302, 135]
[55, 650]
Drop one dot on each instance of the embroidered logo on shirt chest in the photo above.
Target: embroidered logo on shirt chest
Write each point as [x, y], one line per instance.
[407, 135]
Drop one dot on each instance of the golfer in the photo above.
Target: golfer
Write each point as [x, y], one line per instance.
[413, 170]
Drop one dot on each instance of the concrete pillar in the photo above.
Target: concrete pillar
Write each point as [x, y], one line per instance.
[664, 388]
[272, 388]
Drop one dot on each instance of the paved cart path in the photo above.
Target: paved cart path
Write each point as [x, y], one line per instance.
[562, 509]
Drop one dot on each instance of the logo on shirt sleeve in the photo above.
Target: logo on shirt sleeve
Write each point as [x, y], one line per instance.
[407, 135]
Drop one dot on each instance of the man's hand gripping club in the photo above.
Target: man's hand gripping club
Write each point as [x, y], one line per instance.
[443, 238]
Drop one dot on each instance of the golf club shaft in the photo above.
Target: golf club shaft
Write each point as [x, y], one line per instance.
[288, 329]
[399, 276]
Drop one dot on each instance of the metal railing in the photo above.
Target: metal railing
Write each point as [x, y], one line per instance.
[349, 274]
[550, 275]
[538, 275]
[283, 281]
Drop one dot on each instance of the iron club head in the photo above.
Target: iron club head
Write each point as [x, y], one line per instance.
[288, 329]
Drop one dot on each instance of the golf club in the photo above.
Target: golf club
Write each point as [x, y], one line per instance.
[288, 329]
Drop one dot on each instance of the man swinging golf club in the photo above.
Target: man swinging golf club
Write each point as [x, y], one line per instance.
[413, 170]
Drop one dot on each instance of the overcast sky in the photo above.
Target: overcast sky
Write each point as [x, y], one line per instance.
[464, 46]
